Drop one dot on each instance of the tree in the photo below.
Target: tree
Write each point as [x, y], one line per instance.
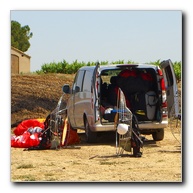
[20, 36]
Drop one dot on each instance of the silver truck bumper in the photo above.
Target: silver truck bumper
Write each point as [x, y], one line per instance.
[142, 126]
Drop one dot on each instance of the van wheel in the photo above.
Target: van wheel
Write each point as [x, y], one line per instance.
[158, 135]
[90, 136]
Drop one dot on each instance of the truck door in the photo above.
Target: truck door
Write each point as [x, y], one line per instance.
[171, 88]
[95, 89]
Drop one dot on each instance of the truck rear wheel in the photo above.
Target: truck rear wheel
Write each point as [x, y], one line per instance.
[158, 135]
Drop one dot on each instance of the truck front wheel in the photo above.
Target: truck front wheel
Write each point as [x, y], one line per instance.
[90, 136]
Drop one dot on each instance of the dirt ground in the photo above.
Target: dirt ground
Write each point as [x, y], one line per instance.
[35, 96]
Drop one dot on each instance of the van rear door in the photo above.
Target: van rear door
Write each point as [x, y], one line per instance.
[171, 88]
[95, 89]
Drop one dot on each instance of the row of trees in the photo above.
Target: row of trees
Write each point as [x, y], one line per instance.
[71, 68]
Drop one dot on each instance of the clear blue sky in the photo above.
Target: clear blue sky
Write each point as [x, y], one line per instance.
[139, 36]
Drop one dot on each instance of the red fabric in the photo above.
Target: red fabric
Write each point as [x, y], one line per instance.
[25, 125]
[126, 73]
[146, 76]
[116, 89]
[25, 140]
[71, 136]
[34, 140]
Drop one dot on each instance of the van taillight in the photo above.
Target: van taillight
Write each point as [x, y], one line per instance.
[164, 96]
[162, 84]
[163, 89]
[160, 72]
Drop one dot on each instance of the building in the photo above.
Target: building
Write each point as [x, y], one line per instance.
[20, 62]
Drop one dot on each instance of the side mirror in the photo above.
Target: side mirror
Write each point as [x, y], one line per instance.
[66, 89]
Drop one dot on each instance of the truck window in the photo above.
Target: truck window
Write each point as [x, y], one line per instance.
[87, 81]
[79, 80]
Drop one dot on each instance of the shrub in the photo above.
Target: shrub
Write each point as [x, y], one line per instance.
[66, 68]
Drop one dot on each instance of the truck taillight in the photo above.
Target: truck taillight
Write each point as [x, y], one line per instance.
[164, 96]
[162, 84]
[160, 72]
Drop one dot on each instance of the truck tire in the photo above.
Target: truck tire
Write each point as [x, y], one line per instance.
[91, 137]
[158, 135]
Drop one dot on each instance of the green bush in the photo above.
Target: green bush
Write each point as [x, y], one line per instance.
[178, 70]
[66, 68]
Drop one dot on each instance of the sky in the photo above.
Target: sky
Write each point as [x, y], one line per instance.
[102, 35]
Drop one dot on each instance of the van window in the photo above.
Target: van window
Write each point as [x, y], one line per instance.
[87, 81]
[79, 80]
